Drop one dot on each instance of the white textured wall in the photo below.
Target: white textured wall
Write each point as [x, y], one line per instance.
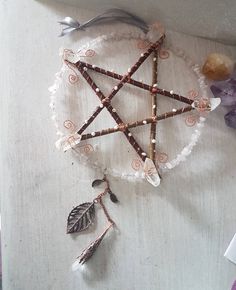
[214, 19]
[170, 238]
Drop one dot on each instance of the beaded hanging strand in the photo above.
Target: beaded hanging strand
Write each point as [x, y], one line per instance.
[82, 217]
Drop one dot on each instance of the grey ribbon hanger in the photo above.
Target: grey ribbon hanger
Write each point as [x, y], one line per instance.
[109, 16]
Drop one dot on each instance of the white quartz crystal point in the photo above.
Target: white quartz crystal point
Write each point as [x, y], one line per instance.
[156, 30]
[78, 266]
[150, 172]
[215, 102]
[68, 142]
[230, 253]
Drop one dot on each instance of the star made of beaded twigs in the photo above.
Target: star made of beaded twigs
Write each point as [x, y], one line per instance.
[83, 68]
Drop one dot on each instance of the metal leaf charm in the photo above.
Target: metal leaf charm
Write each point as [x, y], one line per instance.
[97, 182]
[91, 249]
[113, 197]
[81, 217]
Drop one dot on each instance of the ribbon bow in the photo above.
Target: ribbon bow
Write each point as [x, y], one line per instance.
[109, 16]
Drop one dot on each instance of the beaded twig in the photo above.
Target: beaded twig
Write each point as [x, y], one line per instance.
[141, 85]
[143, 122]
[152, 145]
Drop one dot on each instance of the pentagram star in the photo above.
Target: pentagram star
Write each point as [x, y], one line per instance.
[83, 68]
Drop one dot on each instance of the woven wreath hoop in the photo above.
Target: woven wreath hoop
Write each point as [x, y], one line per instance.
[69, 74]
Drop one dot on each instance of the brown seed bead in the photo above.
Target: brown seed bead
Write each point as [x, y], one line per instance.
[106, 101]
[122, 127]
[154, 90]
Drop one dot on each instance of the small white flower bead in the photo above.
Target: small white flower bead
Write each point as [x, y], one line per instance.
[101, 106]
[137, 174]
[153, 141]
[97, 90]
[142, 54]
[85, 68]
[114, 110]
[154, 59]
[86, 121]
[144, 154]
[155, 85]
[200, 125]
[115, 88]
[51, 105]
[154, 106]
[116, 127]
[93, 66]
[93, 134]
[144, 122]
[129, 70]
[141, 81]
[129, 134]
[174, 110]
[171, 92]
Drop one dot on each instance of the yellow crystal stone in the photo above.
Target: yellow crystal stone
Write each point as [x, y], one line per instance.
[218, 67]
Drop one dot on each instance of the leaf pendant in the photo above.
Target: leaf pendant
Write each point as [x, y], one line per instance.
[91, 249]
[81, 217]
[97, 182]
